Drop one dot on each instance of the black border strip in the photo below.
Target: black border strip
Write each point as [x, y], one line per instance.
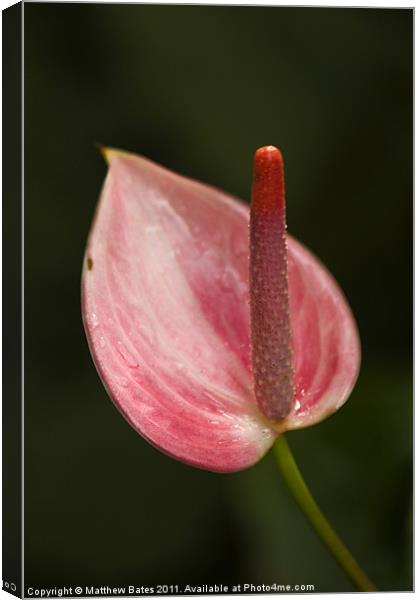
[12, 299]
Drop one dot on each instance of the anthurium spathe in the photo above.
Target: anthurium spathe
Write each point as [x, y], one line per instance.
[212, 338]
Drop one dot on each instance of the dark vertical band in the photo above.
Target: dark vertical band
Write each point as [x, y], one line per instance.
[12, 299]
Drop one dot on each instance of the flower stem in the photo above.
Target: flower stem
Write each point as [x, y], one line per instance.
[309, 507]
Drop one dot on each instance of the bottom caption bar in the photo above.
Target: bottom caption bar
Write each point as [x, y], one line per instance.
[155, 590]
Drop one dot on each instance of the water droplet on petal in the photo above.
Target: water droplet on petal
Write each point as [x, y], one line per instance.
[266, 433]
[102, 342]
[228, 280]
[152, 229]
[218, 237]
[239, 245]
[128, 358]
[93, 321]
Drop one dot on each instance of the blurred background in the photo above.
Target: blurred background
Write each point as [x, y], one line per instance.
[198, 89]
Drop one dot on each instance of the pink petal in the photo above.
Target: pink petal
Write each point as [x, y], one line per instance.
[325, 341]
[165, 307]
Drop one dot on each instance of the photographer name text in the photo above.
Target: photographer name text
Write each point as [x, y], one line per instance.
[142, 590]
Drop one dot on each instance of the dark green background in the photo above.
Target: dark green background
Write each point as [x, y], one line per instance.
[199, 89]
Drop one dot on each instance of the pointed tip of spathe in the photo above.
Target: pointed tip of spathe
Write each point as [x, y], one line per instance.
[104, 151]
[107, 152]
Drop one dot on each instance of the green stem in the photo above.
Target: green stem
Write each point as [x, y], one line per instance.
[309, 507]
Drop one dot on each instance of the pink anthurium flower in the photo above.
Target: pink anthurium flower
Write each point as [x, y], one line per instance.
[212, 330]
